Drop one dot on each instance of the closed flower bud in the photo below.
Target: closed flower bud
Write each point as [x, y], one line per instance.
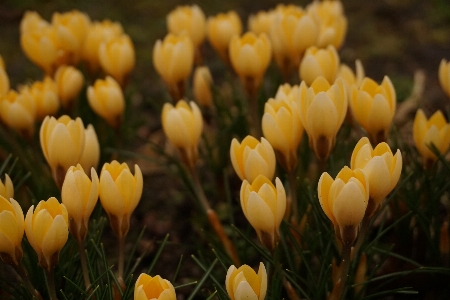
[107, 100]
[38, 40]
[4, 79]
[243, 283]
[220, 29]
[183, 126]
[319, 62]
[120, 193]
[79, 194]
[32, 21]
[322, 110]
[188, 20]
[252, 158]
[444, 76]
[173, 59]
[264, 205]
[12, 226]
[18, 111]
[202, 87]
[45, 96]
[117, 57]
[153, 288]
[281, 124]
[250, 56]
[62, 142]
[344, 201]
[434, 131]
[7, 188]
[261, 22]
[291, 33]
[47, 231]
[373, 107]
[351, 78]
[69, 81]
[71, 29]
[381, 167]
[97, 33]
[91, 152]
[332, 22]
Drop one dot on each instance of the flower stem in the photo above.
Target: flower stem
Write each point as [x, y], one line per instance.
[214, 219]
[51, 283]
[292, 204]
[84, 266]
[255, 122]
[345, 265]
[362, 234]
[121, 255]
[26, 281]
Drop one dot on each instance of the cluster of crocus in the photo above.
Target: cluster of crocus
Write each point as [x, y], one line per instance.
[320, 24]
[358, 192]
[70, 37]
[263, 203]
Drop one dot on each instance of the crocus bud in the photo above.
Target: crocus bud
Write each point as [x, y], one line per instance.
[243, 283]
[261, 22]
[62, 142]
[250, 56]
[322, 111]
[97, 33]
[381, 167]
[252, 158]
[79, 194]
[153, 288]
[120, 193]
[220, 29]
[117, 57]
[351, 78]
[332, 22]
[4, 79]
[69, 81]
[107, 100]
[291, 33]
[45, 96]
[188, 20]
[32, 21]
[7, 187]
[344, 201]
[12, 226]
[91, 152]
[444, 76]
[319, 62]
[183, 126]
[18, 111]
[264, 205]
[281, 124]
[47, 231]
[71, 29]
[173, 59]
[373, 107]
[434, 131]
[202, 86]
[39, 42]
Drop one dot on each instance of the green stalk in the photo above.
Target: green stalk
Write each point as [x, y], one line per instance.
[84, 267]
[26, 281]
[50, 273]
